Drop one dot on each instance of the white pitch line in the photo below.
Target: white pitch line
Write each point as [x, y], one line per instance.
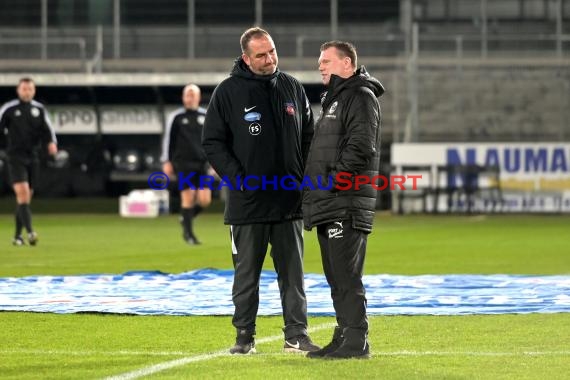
[145, 371]
[471, 353]
[90, 353]
[265, 340]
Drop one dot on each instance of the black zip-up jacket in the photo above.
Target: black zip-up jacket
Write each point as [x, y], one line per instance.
[27, 126]
[259, 126]
[182, 141]
[347, 139]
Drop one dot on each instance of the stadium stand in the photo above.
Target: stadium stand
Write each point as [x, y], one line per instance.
[91, 56]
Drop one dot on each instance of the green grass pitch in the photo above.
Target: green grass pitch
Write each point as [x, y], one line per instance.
[89, 346]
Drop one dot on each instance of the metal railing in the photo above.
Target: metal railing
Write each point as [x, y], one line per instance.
[43, 54]
[220, 42]
[458, 43]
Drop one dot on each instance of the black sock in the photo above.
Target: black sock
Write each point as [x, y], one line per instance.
[187, 215]
[26, 216]
[18, 222]
[197, 209]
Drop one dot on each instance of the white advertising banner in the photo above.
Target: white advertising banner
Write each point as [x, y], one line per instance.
[534, 177]
[131, 120]
[73, 119]
[114, 119]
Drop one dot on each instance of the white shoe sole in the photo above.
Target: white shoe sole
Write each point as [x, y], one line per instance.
[250, 352]
[292, 350]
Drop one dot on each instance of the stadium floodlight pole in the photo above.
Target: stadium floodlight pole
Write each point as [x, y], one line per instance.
[299, 49]
[99, 50]
[559, 12]
[483, 28]
[117, 29]
[191, 28]
[412, 125]
[334, 19]
[44, 6]
[258, 12]
[406, 23]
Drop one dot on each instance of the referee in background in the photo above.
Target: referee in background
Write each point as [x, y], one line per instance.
[182, 153]
[26, 125]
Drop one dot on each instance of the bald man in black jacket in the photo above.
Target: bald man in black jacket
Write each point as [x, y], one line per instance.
[259, 123]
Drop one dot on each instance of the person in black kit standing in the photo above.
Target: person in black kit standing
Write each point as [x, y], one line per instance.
[346, 142]
[259, 123]
[26, 124]
[182, 153]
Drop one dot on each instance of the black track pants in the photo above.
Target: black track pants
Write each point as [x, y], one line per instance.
[342, 251]
[249, 246]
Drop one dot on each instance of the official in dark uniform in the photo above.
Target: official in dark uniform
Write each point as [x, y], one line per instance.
[182, 153]
[27, 128]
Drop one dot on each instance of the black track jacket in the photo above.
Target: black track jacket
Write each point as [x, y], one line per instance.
[27, 126]
[181, 143]
[259, 126]
[347, 139]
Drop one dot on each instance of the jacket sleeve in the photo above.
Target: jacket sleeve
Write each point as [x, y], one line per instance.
[217, 139]
[3, 126]
[362, 123]
[169, 139]
[308, 125]
[48, 133]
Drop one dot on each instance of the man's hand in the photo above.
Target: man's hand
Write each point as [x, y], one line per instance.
[167, 168]
[52, 149]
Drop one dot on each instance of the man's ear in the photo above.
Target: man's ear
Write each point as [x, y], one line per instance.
[246, 59]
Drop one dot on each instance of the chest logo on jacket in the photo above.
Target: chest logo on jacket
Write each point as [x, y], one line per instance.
[200, 119]
[290, 108]
[35, 112]
[184, 120]
[17, 113]
[330, 114]
[252, 116]
[254, 129]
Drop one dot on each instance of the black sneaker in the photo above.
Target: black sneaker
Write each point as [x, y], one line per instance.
[190, 239]
[33, 238]
[300, 344]
[332, 346]
[354, 346]
[18, 241]
[245, 343]
[347, 352]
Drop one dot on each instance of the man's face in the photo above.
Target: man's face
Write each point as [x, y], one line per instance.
[330, 62]
[261, 56]
[26, 91]
[191, 98]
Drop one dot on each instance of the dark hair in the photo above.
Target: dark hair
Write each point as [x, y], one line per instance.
[25, 80]
[251, 33]
[344, 49]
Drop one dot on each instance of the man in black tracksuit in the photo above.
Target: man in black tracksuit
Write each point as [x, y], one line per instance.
[182, 153]
[346, 141]
[259, 123]
[26, 125]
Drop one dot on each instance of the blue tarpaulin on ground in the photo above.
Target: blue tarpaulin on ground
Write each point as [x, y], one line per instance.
[208, 292]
